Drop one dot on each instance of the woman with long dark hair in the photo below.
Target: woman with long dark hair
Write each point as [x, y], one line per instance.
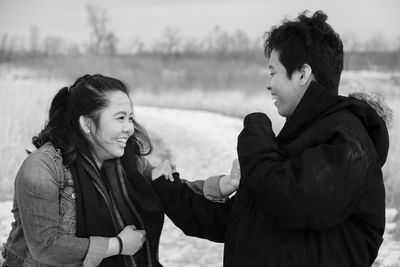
[84, 196]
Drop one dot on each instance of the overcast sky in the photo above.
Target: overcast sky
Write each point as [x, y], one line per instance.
[147, 19]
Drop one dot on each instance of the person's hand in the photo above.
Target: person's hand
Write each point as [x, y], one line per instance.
[132, 240]
[230, 183]
[164, 169]
[235, 173]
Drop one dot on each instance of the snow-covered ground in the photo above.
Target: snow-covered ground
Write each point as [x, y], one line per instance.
[201, 144]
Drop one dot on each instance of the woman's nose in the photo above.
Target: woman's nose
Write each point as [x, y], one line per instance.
[129, 127]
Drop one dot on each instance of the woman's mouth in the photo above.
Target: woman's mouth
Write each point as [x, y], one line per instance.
[122, 140]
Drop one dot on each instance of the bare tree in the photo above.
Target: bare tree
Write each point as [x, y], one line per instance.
[34, 40]
[7, 47]
[376, 43]
[136, 46]
[398, 54]
[52, 45]
[241, 41]
[102, 40]
[211, 37]
[192, 46]
[110, 44]
[223, 43]
[350, 42]
[4, 48]
[351, 45]
[170, 42]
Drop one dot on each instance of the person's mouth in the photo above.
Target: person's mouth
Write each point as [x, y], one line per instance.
[122, 140]
[274, 99]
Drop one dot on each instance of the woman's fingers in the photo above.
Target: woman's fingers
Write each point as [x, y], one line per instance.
[164, 169]
[167, 170]
[160, 170]
[173, 167]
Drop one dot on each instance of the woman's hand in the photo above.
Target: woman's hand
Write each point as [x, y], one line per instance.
[230, 183]
[132, 240]
[164, 169]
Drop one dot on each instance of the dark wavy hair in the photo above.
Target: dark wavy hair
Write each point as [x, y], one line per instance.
[86, 97]
[308, 40]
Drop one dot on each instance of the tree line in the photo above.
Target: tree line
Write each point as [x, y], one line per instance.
[218, 43]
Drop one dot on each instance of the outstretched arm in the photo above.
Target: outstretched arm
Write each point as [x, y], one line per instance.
[215, 188]
[192, 212]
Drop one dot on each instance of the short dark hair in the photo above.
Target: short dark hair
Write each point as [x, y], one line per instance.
[86, 97]
[308, 40]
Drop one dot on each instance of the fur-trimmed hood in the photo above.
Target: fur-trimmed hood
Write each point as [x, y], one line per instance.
[376, 116]
[369, 108]
[377, 102]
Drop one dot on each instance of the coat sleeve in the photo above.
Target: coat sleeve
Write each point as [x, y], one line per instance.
[318, 188]
[37, 194]
[208, 187]
[192, 212]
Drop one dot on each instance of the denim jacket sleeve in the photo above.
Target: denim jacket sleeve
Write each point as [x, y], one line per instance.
[37, 192]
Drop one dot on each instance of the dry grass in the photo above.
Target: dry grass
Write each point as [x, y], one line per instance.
[24, 103]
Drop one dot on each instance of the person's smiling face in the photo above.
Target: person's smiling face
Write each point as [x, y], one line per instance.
[114, 127]
[286, 91]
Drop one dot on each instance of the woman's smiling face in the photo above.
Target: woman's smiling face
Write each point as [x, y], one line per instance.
[114, 127]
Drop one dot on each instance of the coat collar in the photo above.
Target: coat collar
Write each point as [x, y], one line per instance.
[315, 99]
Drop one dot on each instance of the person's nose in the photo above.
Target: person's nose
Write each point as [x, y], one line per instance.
[268, 84]
[129, 128]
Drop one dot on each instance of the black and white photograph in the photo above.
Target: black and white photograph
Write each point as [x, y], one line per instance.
[213, 133]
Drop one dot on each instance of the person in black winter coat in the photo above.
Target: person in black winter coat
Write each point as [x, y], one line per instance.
[314, 194]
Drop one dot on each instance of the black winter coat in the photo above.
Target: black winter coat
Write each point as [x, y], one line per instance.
[312, 196]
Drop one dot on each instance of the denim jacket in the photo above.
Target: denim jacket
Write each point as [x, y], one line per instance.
[44, 227]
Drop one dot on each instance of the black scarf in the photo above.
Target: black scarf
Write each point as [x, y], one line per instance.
[118, 182]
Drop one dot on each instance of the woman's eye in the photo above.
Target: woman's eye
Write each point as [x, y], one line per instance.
[120, 118]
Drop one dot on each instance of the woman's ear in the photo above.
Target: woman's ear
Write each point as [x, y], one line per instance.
[305, 75]
[84, 123]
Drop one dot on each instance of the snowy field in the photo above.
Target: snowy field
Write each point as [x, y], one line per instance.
[200, 143]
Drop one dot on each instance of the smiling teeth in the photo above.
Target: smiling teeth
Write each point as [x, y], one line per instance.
[274, 97]
[122, 140]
